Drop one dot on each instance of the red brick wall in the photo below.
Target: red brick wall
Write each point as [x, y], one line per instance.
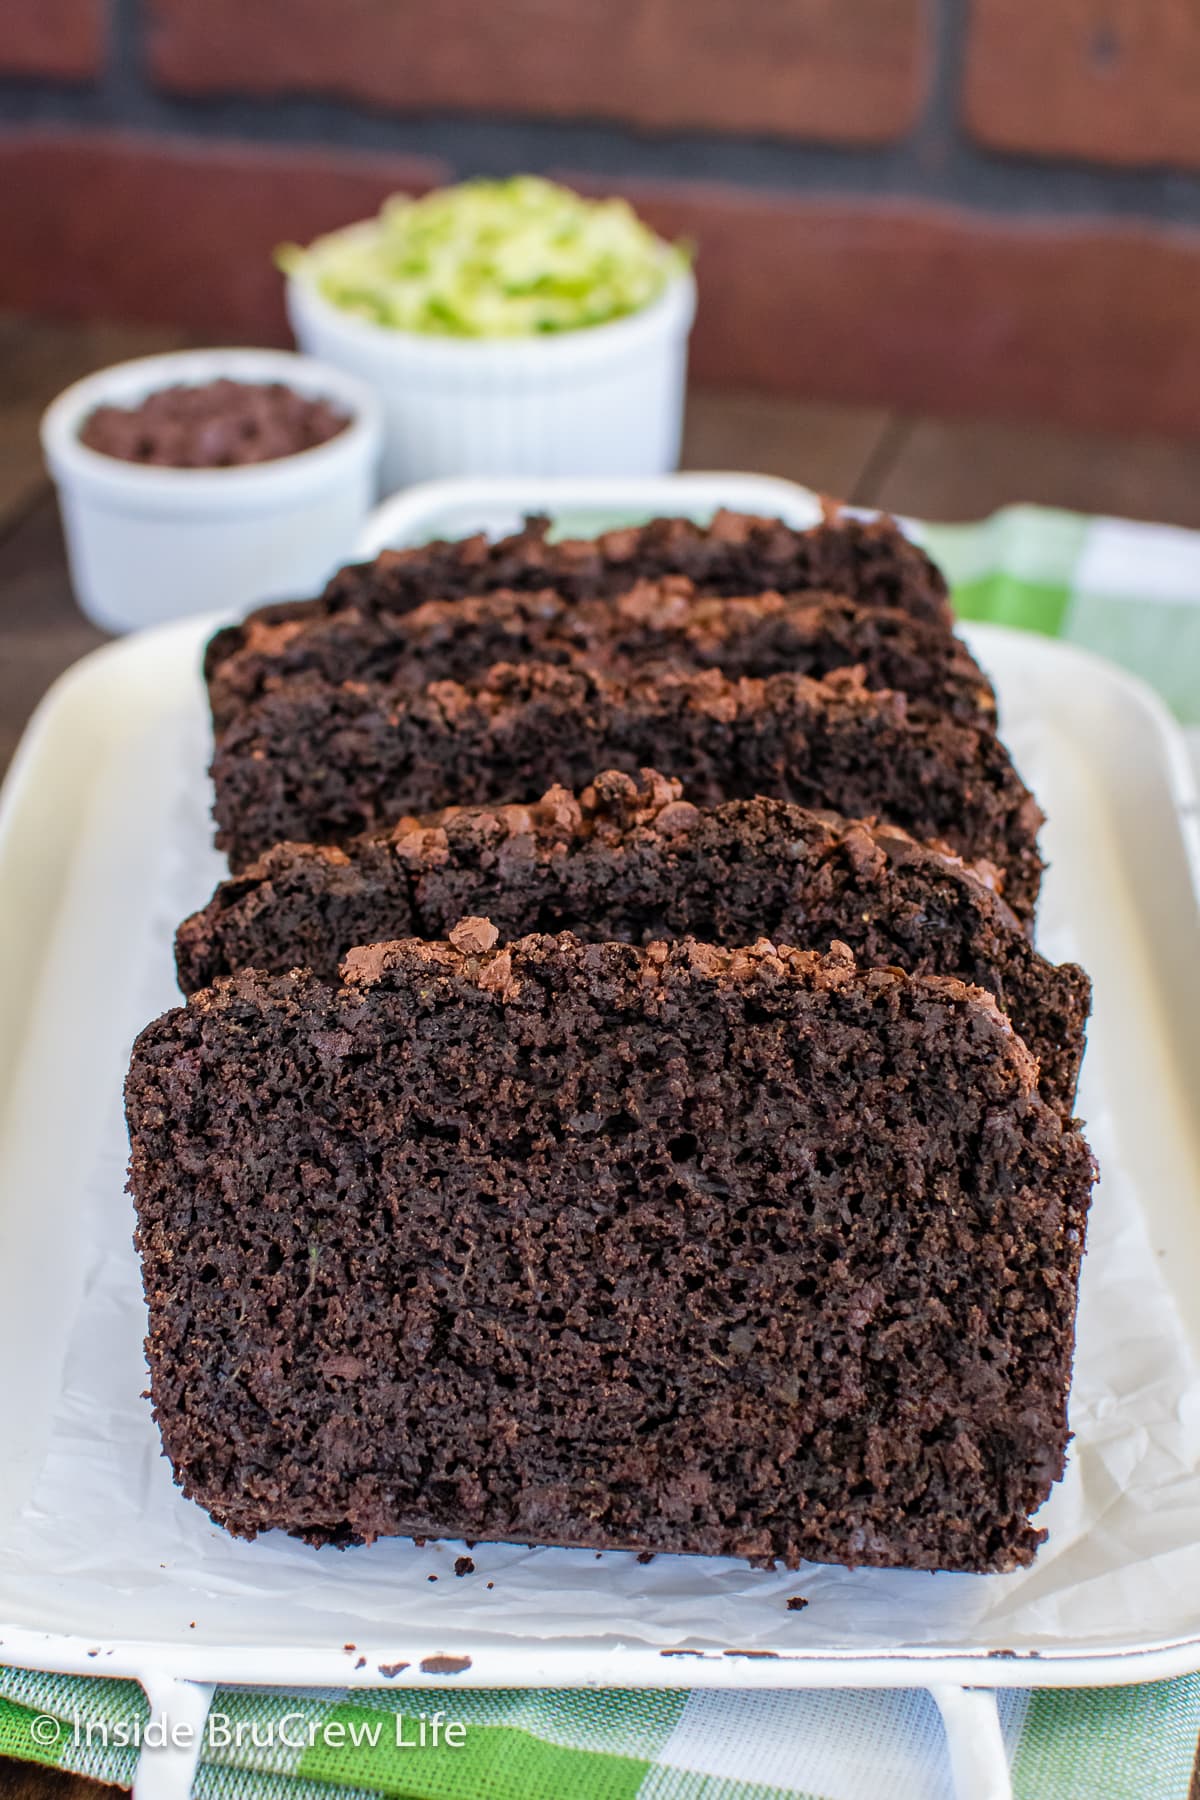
[1114, 81]
[848, 70]
[63, 39]
[167, 231]
[983, 208]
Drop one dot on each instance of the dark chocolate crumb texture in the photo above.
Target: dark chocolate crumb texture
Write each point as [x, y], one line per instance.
[654, 624]
[320, 762]
[631, 859]
[870, 561]
[742, 1252]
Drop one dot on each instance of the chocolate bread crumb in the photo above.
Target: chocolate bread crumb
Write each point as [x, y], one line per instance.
[743, 1252]
[631, 859]
[321, 763]
[870, 561]
[662, 624]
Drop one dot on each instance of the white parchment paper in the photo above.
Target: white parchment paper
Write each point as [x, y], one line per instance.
[107, 1541]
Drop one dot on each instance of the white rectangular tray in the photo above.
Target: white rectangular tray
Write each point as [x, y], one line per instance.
[105, 1568]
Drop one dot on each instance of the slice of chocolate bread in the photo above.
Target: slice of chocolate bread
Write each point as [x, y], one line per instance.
[631, 860]
[319, 763]
[871, 562]
[742, 1252]
[660, 623]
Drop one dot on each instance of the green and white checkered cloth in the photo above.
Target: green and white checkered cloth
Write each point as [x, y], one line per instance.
[1131, 592]
[1116, 1744]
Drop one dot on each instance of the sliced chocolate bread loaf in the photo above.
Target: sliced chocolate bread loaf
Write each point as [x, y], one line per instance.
[631, 860]
[318, 763]
[662, 623]
[743, 1252]
[871, 562]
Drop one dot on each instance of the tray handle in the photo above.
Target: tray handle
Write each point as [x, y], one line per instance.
[978, 1759]
[167, 1771]
[970, 1718]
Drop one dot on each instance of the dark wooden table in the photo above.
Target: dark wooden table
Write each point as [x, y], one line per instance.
[936, 469]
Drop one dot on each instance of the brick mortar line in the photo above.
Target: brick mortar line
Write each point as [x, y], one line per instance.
[940, 120]
[124, 76]
[487, 143]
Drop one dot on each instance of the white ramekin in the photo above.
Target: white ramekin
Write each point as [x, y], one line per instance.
[147, 544]
[605, 400]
